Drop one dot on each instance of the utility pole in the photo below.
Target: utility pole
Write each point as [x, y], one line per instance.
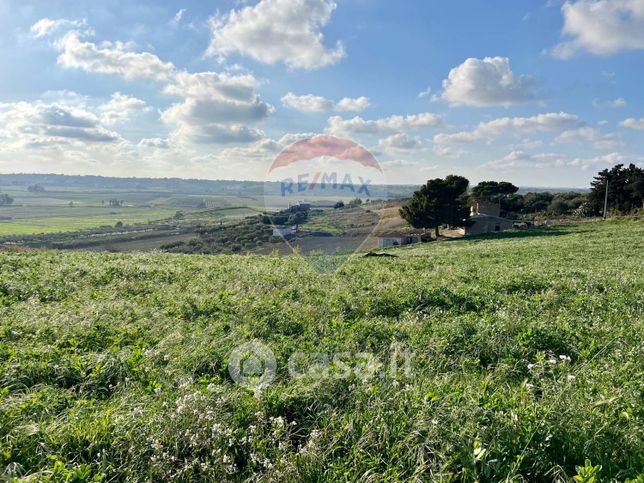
[606, 200]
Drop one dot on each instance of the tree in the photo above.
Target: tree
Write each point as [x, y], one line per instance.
[493, 190]
[36, 188]
[338, 205]
[438, 202]
[625, 189]
[5, 200]
[566, 203]
[536, 202]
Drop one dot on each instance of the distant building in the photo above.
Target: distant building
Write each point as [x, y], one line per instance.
[485, 217]
[391, 239]
[483, 223]
[484, 207]
[284, 231]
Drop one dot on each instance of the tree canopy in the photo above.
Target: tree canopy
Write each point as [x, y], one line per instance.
[5, 199]
[438, 202]
[493, 190]
[625, 189]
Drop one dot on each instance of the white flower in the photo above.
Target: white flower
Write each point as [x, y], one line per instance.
[530, 367]
[528, 385]
[434, 422]
[552, 360]
[565, 358]
[571, 377]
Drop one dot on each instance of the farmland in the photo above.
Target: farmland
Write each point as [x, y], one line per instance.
[527, 361]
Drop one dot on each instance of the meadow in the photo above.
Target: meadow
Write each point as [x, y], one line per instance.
[527, 363]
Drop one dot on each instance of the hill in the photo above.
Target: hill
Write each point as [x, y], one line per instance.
[516, 356]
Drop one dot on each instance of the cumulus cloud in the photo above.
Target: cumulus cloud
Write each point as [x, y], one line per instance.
[112, 58]
[121, 108]
[36, 124]
[487, 82]
[355, 104]
[215, 107]
[590, 136]
[400, 141]
[311, 103]
[274, 31]
[213, 121]
[47, 26]
[601, 27]
[357, 125]
[633, 123]
[488, 131]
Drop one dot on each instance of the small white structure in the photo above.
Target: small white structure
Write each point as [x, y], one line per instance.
[284, 231]
[396, 238]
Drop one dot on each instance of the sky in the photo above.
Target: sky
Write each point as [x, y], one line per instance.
[538, 93]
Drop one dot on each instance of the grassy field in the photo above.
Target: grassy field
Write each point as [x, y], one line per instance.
[527, 361]
[68, 209]
[51, 212]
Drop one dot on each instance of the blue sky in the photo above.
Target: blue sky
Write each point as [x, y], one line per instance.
[540, 93]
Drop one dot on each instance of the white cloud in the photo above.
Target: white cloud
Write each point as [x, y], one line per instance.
[274, 31]
[120, 108]
[214, 121]
[424, 94]
[588, 163]
[178, 16]
[633, 123]
[400, 141]
[590, 136]
[215, 108]
[601, 27]
[311, 103]
[357, 104]
[113, 59]
[47, 26]
[487, 82]
[527, 144]
[520, 160]
[490, 130]
[615, 103]
[154, 143]
[307, 103]
[357, 125]
[30, 125]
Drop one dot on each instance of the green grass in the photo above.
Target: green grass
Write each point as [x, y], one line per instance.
[114, 367]
[73, 219]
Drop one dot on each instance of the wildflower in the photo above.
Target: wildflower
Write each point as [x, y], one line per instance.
[434, 422]
[530, 367]
[529, 386]
[571, 377]
[552, 360]
[565, 358]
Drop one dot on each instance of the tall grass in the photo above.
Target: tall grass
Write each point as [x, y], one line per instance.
[528, 363]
